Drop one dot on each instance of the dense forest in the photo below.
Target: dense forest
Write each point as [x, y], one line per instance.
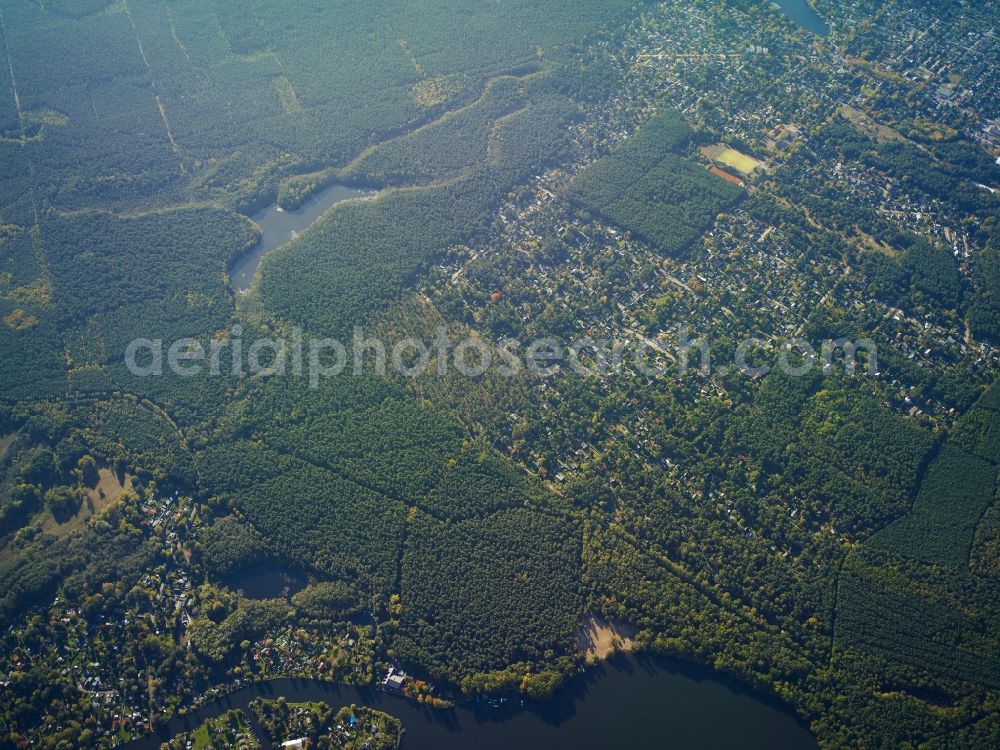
[648, 188]
[406, 229]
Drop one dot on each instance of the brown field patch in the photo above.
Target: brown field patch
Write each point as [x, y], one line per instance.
[598, 638]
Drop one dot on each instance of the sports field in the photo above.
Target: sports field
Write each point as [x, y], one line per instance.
[739, 161]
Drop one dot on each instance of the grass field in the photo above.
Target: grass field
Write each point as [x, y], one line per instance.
[286, 94]
[107, 491]
[739, 161]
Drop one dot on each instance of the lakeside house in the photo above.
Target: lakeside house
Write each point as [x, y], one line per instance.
[395, 680]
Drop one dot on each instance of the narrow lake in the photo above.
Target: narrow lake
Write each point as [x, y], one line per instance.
[628, 702]
[802, 13]
[280, 227]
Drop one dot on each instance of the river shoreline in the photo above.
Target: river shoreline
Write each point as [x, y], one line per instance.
[637, 698]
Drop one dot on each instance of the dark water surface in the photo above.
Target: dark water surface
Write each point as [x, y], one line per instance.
[629, 702]
[802, 13]
[280, 227]
[267, 581]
